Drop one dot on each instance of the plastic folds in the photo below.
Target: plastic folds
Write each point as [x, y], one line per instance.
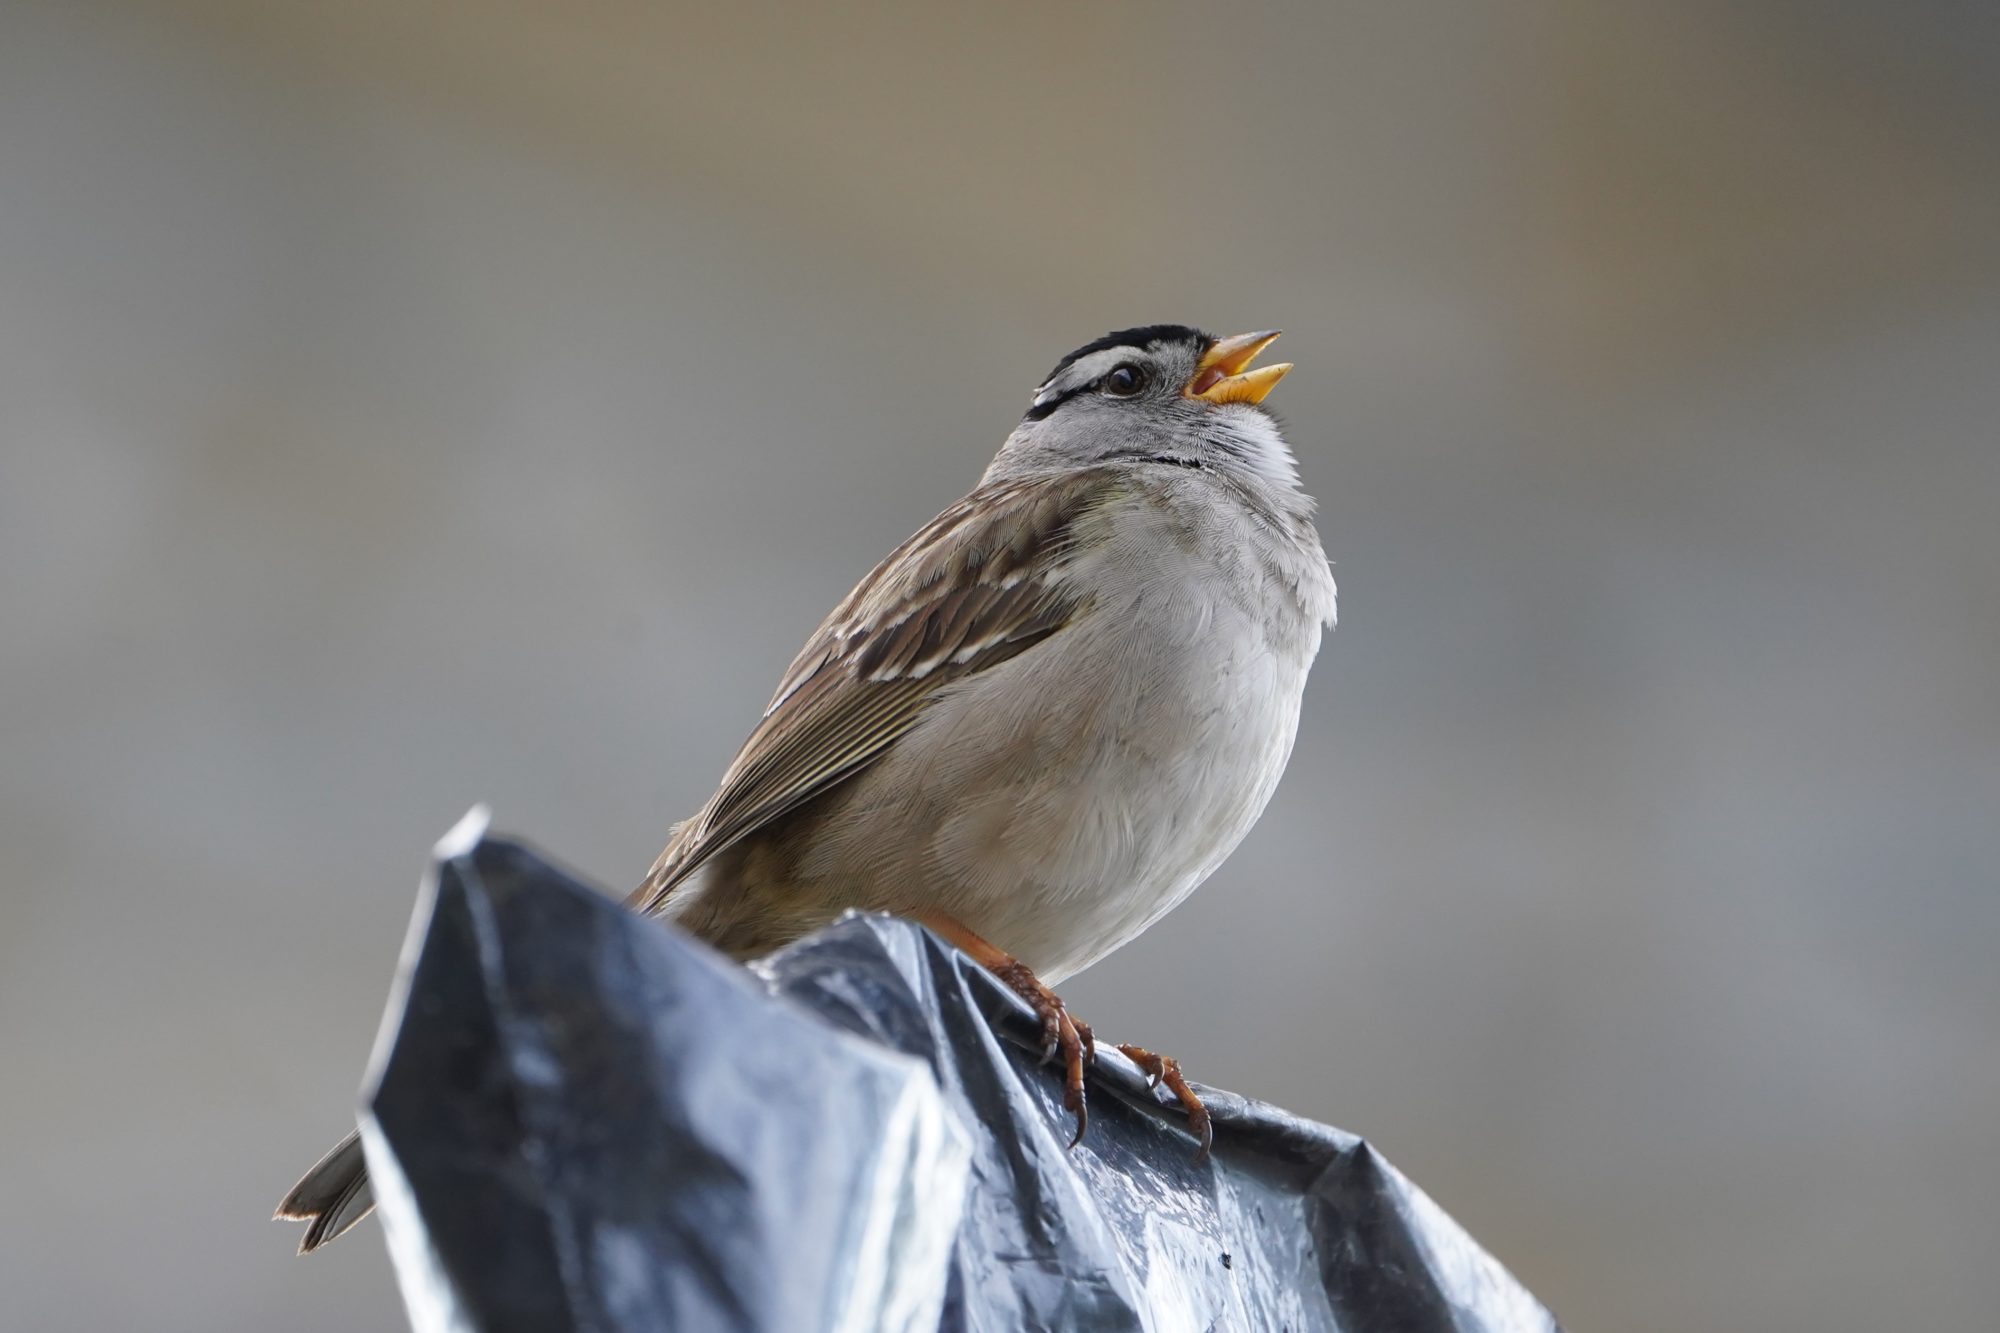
[581, 1119]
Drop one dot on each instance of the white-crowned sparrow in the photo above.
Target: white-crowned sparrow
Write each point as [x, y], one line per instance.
[1042, 720]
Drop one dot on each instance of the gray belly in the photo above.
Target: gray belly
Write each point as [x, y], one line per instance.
[1062, 802]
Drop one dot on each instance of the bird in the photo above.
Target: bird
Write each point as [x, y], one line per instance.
[1039, 723]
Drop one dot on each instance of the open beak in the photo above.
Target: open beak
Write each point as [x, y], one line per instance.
[1222, 376]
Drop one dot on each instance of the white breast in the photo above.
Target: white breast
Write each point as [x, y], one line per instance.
[1085, 790]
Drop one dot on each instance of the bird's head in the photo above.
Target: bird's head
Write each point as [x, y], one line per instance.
[1165, 391]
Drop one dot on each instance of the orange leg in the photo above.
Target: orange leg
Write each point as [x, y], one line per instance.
[1164, 1069]
[1062, 1036]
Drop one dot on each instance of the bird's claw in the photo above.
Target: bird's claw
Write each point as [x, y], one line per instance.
[1152, 1066]
[1160, 1069]
[1064, 1040]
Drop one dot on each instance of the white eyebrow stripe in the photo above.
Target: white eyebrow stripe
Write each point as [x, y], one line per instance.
[1084, 370]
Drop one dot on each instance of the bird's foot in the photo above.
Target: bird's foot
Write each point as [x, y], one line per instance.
[1064, 1039]
[1163, 1069]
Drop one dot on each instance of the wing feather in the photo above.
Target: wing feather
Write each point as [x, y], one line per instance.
[979, 584]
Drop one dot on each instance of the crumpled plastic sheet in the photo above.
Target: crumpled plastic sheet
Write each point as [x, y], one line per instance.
[579, 1119]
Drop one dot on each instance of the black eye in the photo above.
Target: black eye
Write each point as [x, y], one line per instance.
[1123, 381]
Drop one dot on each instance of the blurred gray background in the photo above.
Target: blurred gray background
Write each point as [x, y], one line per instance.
[408, 405]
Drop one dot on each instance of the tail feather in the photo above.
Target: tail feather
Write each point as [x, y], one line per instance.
[332, 1197]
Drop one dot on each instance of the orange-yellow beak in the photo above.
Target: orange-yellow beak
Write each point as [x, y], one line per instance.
[1222, 377]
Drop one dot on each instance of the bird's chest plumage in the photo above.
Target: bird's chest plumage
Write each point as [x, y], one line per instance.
[1146, 748]
[1059, 802]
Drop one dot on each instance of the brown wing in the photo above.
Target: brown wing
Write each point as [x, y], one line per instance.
[977, 585]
